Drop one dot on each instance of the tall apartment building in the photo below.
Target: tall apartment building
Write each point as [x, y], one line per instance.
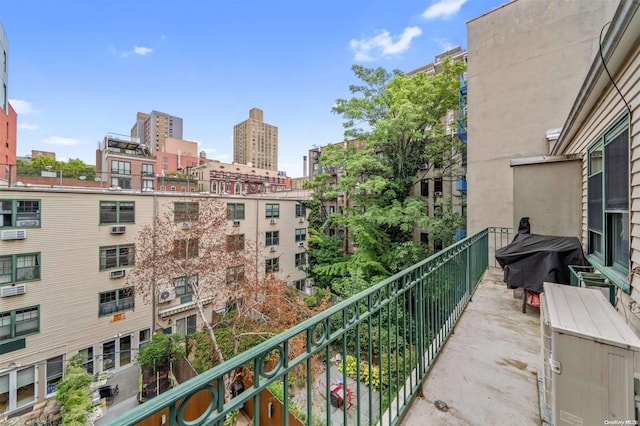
[526, 62]
[57, 303]
[256, 142]
[154, 128]
[8, 118]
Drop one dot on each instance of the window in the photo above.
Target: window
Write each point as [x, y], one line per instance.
[272, 265]
[301, 285]
[235, 211]
[19, 322]
[301, 210]
[608, 199]
[235, 274]
[301, 234]
[147, 170]
[120, 167]
[301, 259]
[147, 184]
[272, 238]
[87, 359]
[184, 286]
[121, 182]
[183, 211]
[19, 267]
[54, 373]
[144, 336]
[235, 242]
[424, 238]
[186, 249]
[424, 187]
[272, 210]
[164, 160]
[17, 388]
[117, 256]
[114, 301]
[437, 245]
[437, 185]
[186, 325]
[117, 212]
[20, 213]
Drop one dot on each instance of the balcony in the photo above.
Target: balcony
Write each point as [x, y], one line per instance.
[461, 184]
[390, 339]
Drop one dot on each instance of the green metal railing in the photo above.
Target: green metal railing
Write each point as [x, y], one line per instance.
[385, 339]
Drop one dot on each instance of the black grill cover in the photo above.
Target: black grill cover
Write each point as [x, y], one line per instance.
[530, 259]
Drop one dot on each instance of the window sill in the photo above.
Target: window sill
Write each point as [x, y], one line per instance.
[614, 275]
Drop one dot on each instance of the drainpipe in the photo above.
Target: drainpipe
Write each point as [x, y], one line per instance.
[154, 306]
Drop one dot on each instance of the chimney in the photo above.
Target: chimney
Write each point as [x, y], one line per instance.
[304, 166]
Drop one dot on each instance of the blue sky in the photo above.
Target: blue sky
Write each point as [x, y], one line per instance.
[79, 69]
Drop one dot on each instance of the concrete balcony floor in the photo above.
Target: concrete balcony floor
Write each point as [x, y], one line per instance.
[487, 373]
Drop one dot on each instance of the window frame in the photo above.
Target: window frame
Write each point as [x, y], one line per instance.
[235, 211]
[600, 241]
[272, 238]
[14, 268]
[300, 259]
[180, 251]
[13, 322]
[124, 170]
[301, 210]
[13, 213]
[301, 235]
[119, 294]
[271, 265]
[272, 210]
[235, 242]
[186, 211]
[118, 212]
[131, 256]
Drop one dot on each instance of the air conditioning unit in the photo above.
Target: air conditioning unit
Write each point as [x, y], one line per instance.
[236, 223]
[118, 229]
[117, 274]
[13, 290]
[272, 248]
[273, 221]
[167, 295]
[301, 220]
[300, 267]
[14, 234]
[586, 343]
[301, 244]
[186, 225]
[438, 193]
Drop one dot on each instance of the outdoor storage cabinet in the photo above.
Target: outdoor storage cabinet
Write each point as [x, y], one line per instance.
[591, 357]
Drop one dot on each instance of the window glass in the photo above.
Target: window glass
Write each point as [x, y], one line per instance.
[54, 373]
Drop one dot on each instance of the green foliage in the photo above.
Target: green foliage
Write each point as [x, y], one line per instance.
[73, 168]
[73, 393]
[162, 348]
[369, 374]
[316, 300]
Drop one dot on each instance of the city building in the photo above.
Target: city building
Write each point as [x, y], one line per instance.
[521, 86]
[238, 179]
[154, 128]
[48, 312]
[8, 118]
[255, 142]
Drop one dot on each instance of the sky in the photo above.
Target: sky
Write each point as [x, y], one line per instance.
[79, 69]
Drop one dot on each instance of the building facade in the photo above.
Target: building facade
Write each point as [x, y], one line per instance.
[255, 142]
[521, 85]
[8, 118]
[154, 128]
[238, 179]
[50, 312]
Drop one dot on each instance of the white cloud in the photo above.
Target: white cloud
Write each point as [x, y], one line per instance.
[443, 9]
[22, 107]
[443, 43]
[60, 141]
[28, 126]
[142, 50]
[383, 44]
[137, 50]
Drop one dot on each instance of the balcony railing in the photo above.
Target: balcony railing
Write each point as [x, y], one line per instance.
[385, 339]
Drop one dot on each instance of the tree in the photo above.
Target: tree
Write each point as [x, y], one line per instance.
[192, 243]
[394, 127]
[73, 168]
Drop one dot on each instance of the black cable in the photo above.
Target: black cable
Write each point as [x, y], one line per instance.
[604, 64]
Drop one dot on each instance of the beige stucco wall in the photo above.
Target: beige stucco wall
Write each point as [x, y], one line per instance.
[550, 195]
[526, 61]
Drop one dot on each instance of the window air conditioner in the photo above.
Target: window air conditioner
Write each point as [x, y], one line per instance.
[236, 223]
[118, 229]
[301, 220]
[117, 274]
[13, 290]
[438, 193]
[272, 248]
[167, 295]
[273, 221]
[14, 234]
[301, 244]
[186, 225]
